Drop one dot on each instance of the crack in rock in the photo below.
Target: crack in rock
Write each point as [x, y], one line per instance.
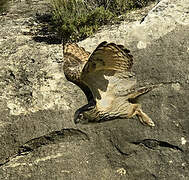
[64, 135]
[153, 143]
[121, 151]
[52, 138]
[143, 19]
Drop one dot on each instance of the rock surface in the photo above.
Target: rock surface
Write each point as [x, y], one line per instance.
[38, 137]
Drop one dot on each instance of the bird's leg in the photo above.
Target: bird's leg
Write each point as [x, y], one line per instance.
[135, 109]
[144, 118]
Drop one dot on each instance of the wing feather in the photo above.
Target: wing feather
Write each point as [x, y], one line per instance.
[108, 56]
[75, 58]
[107, 72]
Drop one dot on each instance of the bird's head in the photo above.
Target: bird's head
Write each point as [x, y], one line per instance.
[80, 117]
[86, 113]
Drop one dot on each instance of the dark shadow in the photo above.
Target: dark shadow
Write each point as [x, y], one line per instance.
[101, 82]
[3, 7]
[64, 135]
[47, 39]
[153, 144]
[46, 31]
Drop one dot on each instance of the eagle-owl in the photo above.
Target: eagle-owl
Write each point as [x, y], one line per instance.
[106, 78]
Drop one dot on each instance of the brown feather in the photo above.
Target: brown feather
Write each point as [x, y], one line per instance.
[75, 58]
[108, 56]
[108, 67]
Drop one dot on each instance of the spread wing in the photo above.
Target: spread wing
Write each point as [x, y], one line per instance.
[75, 58]
[108, 56]
[107, 72]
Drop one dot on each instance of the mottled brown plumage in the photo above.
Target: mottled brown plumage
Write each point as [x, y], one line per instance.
[75, 59]
[105, 77]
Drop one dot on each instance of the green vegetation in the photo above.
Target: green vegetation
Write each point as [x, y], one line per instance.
[75, 20]
[3, 5]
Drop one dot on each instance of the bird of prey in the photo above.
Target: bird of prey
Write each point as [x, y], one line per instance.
[106, 78]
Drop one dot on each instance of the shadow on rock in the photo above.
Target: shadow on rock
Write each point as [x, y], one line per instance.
[64, 135]
[46, 31]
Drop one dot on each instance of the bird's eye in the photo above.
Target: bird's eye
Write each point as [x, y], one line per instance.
[80, 116]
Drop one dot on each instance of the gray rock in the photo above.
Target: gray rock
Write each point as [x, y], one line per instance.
[38, 137]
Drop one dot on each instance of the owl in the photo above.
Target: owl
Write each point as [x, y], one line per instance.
[106, 78]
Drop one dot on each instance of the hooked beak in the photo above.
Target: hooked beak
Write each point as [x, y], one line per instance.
[76, 121]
